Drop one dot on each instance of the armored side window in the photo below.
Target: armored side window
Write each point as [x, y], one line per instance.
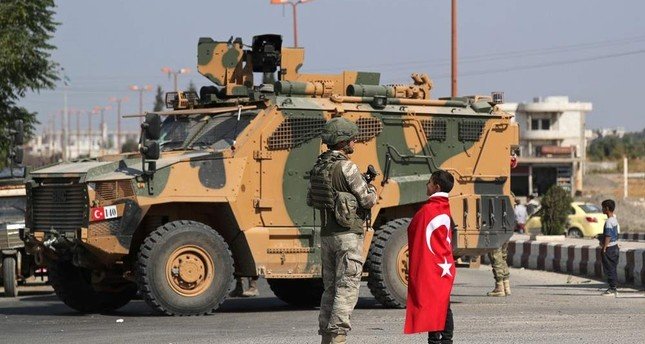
[368, 128]
[435, 129]
[295, 131]
[470, 130]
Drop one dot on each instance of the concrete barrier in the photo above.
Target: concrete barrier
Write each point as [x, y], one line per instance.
[576, 259]
[632, 236]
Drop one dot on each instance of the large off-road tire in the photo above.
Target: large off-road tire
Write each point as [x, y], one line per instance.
[73, 286]
[184, 268]
[387, 263]
[9, 276]
[305, 293]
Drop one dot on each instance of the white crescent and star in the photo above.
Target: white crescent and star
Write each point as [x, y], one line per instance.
[445, 267]
[441, 220]
[434, 224]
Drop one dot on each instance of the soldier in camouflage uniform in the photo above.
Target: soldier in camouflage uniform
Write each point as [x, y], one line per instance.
[339, 191]
[500, 271]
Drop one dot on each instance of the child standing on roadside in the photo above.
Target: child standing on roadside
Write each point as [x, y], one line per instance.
[609, 245]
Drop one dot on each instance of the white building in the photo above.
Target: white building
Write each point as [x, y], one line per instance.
[552, 144]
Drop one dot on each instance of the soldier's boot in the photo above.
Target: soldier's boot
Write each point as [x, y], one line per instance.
[253, 288]
[507, 287]
[239, 288]
[498, 291]
[337, 338]
[326, 339]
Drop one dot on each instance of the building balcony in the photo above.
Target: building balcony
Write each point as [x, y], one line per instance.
[548, 135]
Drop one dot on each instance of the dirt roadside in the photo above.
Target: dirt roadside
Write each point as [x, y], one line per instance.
[629, 211]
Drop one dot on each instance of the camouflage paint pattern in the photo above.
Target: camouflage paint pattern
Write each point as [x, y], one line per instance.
[254, 194]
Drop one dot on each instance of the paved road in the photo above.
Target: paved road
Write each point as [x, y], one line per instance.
[544, 308]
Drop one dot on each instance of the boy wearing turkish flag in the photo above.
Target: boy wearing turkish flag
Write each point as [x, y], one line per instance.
[431, 268]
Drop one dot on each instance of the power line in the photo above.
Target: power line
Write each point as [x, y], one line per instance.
[543, 65]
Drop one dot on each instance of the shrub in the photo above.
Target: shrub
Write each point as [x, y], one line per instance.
[555, 209]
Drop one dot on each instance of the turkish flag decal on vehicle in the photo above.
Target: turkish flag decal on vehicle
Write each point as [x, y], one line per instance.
[103, 213]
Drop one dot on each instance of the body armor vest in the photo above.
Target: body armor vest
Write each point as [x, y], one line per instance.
[322, 192]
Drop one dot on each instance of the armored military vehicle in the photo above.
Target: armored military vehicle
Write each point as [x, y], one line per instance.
[16, 265]
[220, 185]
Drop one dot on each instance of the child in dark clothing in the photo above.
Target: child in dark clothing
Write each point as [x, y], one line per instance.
[609, 244]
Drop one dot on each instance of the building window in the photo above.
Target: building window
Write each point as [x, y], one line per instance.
[546, 124]
[541, 124]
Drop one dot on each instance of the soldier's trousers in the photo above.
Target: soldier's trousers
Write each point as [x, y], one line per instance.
[498, 263]
[342, 266]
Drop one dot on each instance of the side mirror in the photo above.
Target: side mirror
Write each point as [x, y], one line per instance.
[19, 135]
[150, 150]
[17, 155]
[152, 126]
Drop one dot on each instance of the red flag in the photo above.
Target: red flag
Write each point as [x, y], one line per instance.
[97, 214]
[431, 267]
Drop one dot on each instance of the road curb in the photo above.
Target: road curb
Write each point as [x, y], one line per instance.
[632, 236]
[582, 260]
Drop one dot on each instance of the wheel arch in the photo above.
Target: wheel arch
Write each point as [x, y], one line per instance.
[218, 216]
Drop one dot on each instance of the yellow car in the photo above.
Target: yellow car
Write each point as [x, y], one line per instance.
[584, 220]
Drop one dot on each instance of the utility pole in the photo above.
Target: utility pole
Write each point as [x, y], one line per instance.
[453, 44]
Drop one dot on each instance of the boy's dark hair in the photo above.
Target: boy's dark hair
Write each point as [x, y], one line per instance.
[609, 204]
[444, 179]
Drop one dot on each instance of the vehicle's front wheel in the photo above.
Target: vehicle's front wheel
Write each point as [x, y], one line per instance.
[184, 268]
[387, 263]
[574, 233]
[73, 286]
[9, 276]
[298, 292]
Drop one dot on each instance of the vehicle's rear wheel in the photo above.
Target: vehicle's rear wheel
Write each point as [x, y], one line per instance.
[574, 233]
[9, 277]
[387, 263]
[184, 268]
[73, 286]
[298, 292]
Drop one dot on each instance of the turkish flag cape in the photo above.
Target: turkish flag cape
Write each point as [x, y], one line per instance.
[431, 268]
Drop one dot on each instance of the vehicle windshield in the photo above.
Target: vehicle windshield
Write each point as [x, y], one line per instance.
[12, 209]
[202, 131]
[590, 208]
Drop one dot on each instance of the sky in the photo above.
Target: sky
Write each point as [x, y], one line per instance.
[589, 50]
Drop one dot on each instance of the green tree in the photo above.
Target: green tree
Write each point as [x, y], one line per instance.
[555, 210]
[25, 60]
[191, 87]
[159, 100]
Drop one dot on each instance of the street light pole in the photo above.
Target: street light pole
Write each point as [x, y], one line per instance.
[118, 120]
[453, 41]
[101, 110]
[169, 71]
[141, 89]
[295, 23]
[294, 5]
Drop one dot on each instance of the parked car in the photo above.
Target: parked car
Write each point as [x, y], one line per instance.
[584, 220]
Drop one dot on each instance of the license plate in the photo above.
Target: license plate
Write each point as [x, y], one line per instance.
[103, 213]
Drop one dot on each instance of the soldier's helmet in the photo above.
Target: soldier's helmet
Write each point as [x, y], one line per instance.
[338, 129]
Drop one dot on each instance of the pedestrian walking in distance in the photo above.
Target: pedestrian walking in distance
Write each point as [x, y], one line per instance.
[431, 267]
[609, 244]
[343, 197]
[521, 216]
